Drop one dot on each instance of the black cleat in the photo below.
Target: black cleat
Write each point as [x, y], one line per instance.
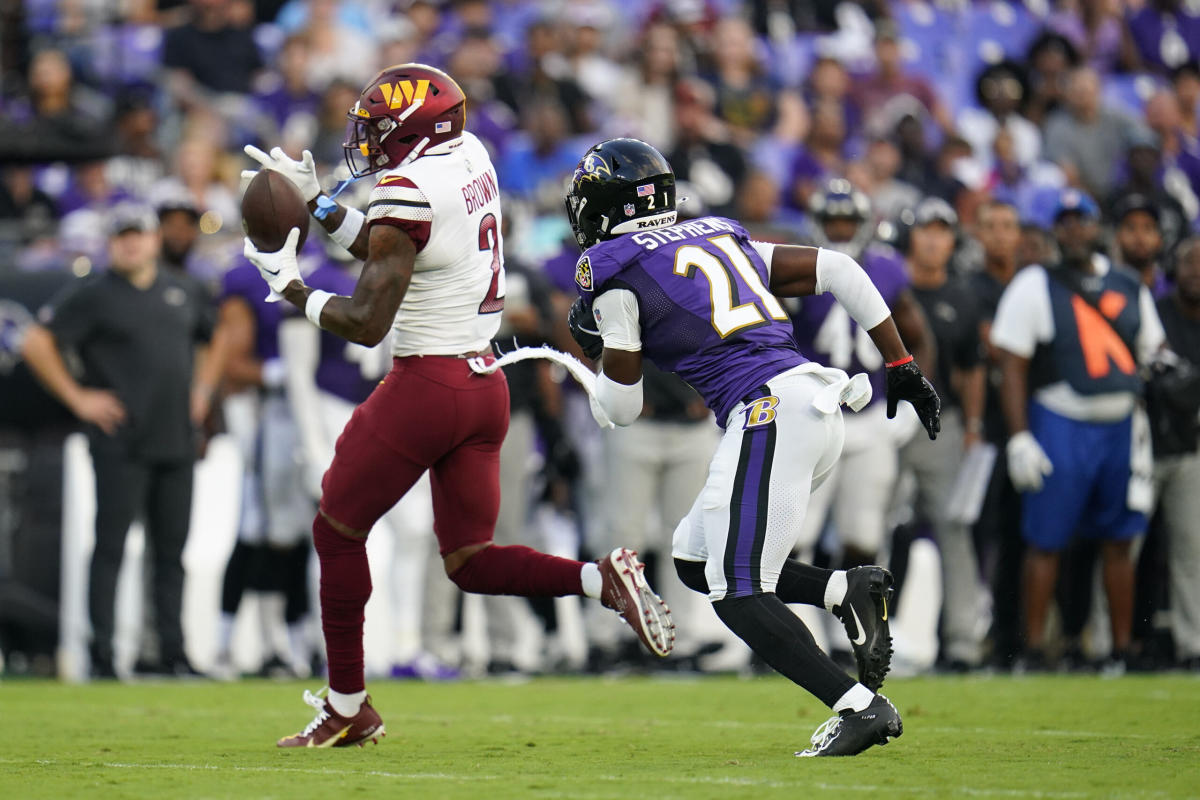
[864, 612]
[851, 732]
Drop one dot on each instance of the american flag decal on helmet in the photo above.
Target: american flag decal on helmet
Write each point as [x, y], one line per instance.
[645, 189]
[441, 127]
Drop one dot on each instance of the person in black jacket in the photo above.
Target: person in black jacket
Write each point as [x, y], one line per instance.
[135, 329]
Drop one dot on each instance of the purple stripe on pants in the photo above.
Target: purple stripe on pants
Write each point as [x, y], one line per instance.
[748, 519]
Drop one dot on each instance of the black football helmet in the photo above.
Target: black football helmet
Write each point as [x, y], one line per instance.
[620, 186]
[839, 200]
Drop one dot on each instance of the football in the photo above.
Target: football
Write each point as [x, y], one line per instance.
[271, 207]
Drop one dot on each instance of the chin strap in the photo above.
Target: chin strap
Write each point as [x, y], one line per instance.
[415, 153]
[325, 203]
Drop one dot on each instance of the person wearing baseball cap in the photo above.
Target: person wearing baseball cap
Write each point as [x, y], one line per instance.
[131, 217]
[179, 228]
[1076, 227]
[935, 209]
[135, 328]
[1071, 338]
[1074, 201]
[1139, 240]
[958, 375]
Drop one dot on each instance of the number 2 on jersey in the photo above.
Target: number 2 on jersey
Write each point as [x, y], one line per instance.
[489, 239]
[728, 315]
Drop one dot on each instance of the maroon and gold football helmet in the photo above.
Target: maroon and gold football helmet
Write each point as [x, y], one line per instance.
[403, 112]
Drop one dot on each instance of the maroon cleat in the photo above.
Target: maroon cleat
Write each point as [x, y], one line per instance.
[331, 729]
[626, 591]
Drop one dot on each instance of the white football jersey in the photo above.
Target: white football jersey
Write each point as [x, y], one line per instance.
[448, 202]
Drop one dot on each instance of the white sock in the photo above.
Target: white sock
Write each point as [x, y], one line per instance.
[856, 698]
[593, 582]
[347, 704]
[835, 590]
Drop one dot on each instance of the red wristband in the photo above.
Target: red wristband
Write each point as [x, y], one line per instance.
[899, 363]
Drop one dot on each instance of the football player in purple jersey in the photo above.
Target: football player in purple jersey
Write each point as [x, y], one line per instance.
[859, 491]
[700, 299]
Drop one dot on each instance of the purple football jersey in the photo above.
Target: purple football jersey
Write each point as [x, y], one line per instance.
[706, 312]
[824, 329]
[342, 369]
[244, 281]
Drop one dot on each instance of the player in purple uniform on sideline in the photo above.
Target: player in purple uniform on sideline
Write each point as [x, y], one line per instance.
[858, 492]
[699, 298]
[271, 553]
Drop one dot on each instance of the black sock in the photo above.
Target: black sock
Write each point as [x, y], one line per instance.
[802, 583]
[798, 582]
[293, 575]
[779, 637]
[237, 571]
[260, 571]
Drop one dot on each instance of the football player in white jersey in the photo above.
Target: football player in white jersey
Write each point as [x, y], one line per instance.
[433, 272]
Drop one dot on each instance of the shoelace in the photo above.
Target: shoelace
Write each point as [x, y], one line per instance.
[317, 701]
[825, 734]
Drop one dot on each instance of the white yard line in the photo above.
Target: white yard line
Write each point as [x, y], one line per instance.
[591, 722]
[422, 776]
[798, 783]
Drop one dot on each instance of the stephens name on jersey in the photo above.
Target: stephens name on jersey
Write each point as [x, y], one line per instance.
[449, 205]
[703, 305]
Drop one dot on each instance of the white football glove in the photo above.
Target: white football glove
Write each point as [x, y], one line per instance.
[302, 173]
[1028, 463]
[278, 269]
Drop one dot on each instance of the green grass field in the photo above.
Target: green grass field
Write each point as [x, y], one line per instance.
[585, 739]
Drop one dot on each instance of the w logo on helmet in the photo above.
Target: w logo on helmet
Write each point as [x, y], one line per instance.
[403, 93]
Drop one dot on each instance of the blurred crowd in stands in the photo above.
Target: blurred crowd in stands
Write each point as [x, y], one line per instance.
[949, 137]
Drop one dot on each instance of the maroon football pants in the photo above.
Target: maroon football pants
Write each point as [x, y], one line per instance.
[429, 413]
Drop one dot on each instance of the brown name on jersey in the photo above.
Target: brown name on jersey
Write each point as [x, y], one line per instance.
[481, 191]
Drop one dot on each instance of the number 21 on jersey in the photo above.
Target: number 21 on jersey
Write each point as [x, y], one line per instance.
[729, 315]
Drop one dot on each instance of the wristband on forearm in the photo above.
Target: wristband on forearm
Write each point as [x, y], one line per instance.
[347, 233]
[315, 304]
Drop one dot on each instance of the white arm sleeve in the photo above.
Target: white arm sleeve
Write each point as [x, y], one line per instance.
[299, 347]
[617, 318]
[1023, 318]
[622, 403]
[841, 276]
[765, 251]
[1150, 336]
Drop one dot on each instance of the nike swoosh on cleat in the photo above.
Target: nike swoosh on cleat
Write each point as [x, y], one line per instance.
[862, 634]
[884, 617]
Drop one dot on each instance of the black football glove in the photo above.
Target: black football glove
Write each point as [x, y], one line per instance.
[905, 382]
[584, 329]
